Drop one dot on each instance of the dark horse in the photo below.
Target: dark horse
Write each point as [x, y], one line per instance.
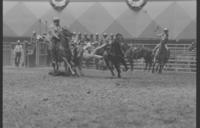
[113, 55]
[161, 58]
[134, 53]
[61, 52]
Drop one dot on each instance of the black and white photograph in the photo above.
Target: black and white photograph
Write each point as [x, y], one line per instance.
[99, 63]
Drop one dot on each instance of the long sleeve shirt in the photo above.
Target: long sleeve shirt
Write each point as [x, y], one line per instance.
[55, 31]
[18, 48]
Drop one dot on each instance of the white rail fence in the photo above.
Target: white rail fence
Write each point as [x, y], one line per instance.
[181, 59]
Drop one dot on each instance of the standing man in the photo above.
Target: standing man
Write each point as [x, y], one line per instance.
[104, 39]
[18, 52]
[85, 37]
[164, 39]
[74, 38]
[34, 37]
[111, 39]
[97, 41]
[91, 38]
[79, 36]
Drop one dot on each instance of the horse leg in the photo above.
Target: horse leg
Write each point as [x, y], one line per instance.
[57, 66]
[124, 63]
[161, 68]
[96, 63]
[153, 67]
[157, 67]
[117, 67]
[132, 64]
[54, 66]
[69, 66]
[80, 70]
[77, 73]
[110, 67]
[67, 70]
[146, 65]
[150, 65]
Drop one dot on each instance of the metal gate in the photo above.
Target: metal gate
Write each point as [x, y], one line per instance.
[41, 54]
[33, 54]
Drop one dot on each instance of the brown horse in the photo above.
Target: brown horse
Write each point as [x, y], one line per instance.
[134, 53]
[113, 55]
[160, 58]
[60, 51]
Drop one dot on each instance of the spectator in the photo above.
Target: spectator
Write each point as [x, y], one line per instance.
[34, 38]
[18, 52]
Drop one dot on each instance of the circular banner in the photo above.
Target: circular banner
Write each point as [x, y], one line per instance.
[136, 4]
[59, 5]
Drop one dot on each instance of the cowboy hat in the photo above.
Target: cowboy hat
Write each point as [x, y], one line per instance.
[56, 19]
[165, 29]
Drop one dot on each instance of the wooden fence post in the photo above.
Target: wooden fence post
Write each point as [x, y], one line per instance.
[175, 60]
[37, 53]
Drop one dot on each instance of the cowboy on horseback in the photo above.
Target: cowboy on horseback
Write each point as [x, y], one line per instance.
[164, 39]
[54, 34]
[161, 52]
[55, 29]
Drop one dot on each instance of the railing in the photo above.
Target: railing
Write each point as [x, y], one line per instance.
[181, 59]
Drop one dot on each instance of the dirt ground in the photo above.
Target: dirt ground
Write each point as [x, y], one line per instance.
[34, 99]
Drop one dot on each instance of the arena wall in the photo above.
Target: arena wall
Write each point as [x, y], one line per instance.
[21, 17]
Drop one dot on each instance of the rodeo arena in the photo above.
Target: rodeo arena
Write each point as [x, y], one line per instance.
[99, 63]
